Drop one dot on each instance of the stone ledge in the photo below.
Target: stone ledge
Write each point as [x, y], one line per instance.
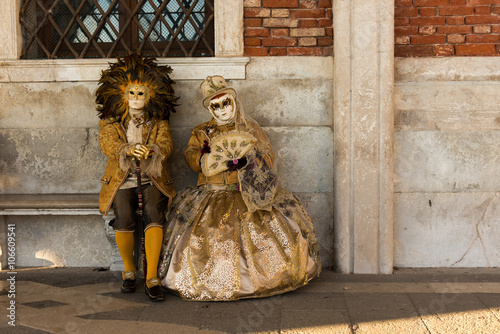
[446, 69]
[48, 201]
[79, 70]
[49, 204]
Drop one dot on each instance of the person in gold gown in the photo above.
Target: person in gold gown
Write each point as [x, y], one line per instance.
[237, 234]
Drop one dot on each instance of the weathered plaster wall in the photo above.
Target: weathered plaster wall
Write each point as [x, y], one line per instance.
[446, 139]
[48, 144]
[447, 164]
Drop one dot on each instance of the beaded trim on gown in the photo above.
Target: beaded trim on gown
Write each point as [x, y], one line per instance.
[214, 249]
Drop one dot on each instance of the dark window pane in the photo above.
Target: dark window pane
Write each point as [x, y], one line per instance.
[105, 28]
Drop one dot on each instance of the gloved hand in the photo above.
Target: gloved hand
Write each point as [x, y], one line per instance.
[205, 148]
[139, 152]
[236, 164]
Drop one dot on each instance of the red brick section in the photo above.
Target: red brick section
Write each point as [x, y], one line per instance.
[426, 28]
[288, 27]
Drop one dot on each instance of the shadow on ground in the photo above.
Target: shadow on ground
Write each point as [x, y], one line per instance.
[423, 300]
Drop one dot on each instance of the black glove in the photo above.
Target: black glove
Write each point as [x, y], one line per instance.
[240, 163]
[205, 148]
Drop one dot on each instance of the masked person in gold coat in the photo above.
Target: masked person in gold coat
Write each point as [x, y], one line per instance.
[134, 99]
[237, 234]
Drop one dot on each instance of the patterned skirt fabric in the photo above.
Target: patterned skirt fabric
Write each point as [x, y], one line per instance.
[214, 249]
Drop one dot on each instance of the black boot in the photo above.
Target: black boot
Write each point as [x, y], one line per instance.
[153, 290]
[128, 284]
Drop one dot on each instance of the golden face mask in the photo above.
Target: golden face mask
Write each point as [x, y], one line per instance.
[136, 96]
[137, 92]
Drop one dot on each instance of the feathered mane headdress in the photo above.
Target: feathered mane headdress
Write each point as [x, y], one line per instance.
[134, 69]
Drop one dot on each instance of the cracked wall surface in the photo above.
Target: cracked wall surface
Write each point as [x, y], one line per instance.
[447, 164]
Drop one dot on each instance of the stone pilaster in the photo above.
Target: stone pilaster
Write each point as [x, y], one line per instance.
[228, 27]
[10, 32]
[363, 127]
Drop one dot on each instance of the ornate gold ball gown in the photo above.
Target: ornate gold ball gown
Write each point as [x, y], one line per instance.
[237, 234]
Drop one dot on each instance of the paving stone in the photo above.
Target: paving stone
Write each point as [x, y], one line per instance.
[79, 300]
[320, 322]
[383, 313]
[492, 301]
[312, 301]
[455, 313]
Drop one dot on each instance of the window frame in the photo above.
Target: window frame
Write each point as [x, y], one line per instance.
[228, 46]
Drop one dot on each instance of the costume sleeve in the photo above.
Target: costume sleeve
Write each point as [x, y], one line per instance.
[192, 154]
[164, 140]
[111, 143]
[264, 147]
[162, 148]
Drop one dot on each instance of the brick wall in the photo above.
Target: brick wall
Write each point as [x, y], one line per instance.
[423, 28]
[288, 27]
[426, 28]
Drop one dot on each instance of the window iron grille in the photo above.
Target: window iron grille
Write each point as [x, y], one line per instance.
[106, 28]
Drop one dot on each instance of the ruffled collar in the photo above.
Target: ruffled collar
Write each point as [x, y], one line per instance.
[213, 127]
[139, 118]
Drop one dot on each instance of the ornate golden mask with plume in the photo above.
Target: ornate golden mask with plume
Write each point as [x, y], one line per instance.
[135, 70]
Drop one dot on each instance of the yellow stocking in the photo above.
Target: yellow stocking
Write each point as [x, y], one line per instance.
[125, 242]
[152, 244]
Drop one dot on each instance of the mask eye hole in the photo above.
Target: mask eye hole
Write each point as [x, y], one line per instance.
[226, 103]
[141, 93]
[215, 106]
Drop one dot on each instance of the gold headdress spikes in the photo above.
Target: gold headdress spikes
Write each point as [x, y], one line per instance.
[135, 70]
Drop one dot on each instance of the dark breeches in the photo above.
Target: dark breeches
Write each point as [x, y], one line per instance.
[126, 204]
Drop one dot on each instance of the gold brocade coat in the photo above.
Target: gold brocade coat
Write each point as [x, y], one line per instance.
[207, 131]
[113, 142]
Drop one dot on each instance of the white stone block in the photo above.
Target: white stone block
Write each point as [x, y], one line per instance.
[44, 161]
[433, 161]
[447, 229]
[48, 105]
[288, 102]
[72, 241]
[273, 68]
[441, 106]
[304, 157]
[447, 69]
